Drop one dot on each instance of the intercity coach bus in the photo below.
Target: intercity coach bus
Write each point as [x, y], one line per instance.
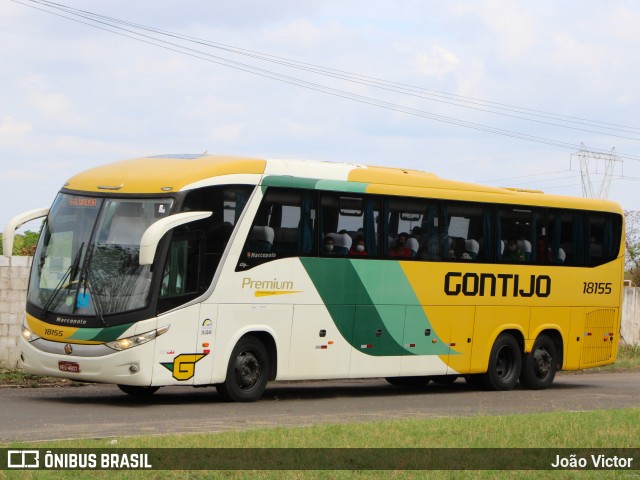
[207, 270]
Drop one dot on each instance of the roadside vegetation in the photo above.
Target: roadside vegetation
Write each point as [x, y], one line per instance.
[23, 244]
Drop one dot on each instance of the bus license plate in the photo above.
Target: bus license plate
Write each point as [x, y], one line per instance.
[69, 367]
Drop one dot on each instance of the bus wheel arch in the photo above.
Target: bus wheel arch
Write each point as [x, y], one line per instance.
[539, 366]
[505, 361]
[251, 365]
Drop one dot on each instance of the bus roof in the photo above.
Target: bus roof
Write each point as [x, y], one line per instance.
[172, 173]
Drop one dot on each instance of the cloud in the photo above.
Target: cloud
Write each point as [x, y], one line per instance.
[50, 107]
[514, 28]
[227, 133]
[437, 63]
[13, 131]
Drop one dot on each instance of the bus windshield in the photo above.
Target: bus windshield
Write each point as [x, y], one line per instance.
[86, 262]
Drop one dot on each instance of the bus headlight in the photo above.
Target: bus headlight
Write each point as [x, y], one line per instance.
[28, 335]
[135, 340]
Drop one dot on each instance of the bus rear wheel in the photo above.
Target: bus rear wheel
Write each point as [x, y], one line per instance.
[539, 367]
[247, 373]
[505, 362]
[139, 392]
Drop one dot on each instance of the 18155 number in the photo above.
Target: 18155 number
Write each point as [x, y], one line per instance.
[593, 288]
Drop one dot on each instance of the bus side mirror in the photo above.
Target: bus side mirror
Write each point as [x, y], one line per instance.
[16, 222]
[152, 235]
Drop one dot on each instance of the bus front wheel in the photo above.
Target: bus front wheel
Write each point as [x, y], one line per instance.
[539, 367]
[505, 362]
[247, 373]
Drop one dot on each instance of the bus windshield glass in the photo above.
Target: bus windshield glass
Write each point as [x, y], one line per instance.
[86, 262]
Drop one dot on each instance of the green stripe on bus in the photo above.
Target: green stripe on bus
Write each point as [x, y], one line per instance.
[289, 182]
[107, 334]
[373, 306]
[313, 184]
[340, 186]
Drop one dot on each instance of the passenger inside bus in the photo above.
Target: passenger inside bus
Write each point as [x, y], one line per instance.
[358, 249]
[341, 243]
[260, 239]
[402, 248]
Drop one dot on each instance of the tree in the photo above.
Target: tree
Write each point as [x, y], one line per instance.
[23, 244]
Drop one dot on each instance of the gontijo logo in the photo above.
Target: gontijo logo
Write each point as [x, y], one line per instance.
[183, 366]
[263, 288]
[503, 284]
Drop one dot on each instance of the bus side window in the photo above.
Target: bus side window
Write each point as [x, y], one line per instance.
[567, 240]
[468, 232]
[283, 227]
[227, 204]
[603, 230]
[516, 231]
[350, 224]
[413, 229]
[183, 268]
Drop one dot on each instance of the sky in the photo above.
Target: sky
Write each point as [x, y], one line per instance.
[74, 96]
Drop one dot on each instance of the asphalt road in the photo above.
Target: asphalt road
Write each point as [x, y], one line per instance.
[98, 411]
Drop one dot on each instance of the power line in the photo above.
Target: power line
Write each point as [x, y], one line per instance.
[178, 48]
[363, 79]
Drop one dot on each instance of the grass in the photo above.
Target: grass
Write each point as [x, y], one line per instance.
[628, 359]
[598, 429]
[19, 378]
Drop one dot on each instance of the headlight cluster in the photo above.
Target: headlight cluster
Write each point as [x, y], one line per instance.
[134, 341]
[28, 335]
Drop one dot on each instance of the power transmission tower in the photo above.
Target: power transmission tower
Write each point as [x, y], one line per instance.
[592, 164]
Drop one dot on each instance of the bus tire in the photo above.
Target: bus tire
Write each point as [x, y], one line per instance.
[139, 392]
[539, 367]
[247, 373]
[505, 362]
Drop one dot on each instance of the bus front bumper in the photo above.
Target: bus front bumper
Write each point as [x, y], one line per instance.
[89, 363]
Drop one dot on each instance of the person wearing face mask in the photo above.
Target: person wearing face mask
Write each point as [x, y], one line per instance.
[327, 247]
[358, 249]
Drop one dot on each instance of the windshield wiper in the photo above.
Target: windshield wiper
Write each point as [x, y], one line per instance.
[70, 273]
[84, 280]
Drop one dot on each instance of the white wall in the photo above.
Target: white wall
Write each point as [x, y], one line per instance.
[630, 328]
[14, 276]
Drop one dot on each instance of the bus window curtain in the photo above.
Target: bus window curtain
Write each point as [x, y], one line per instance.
[487, 235]
[555, 240]
[608, 239]
[242, 196]
[370, 239]
[579, 247]
[446, 241]
[533, 237]
[305, 226]
[499, 245]
[432, 233]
